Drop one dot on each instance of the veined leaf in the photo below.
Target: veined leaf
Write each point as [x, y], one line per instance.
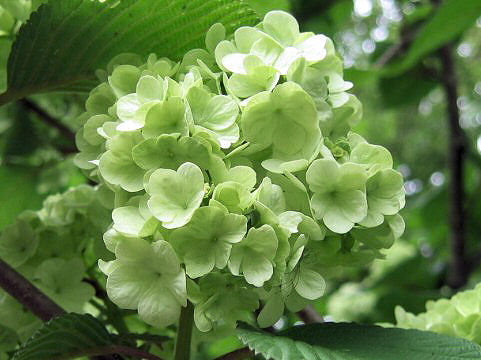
[68, 334]
[65, 41]
[343, 341]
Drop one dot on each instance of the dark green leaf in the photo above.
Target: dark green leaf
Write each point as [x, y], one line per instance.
[406, 89]
[8, 339]
[65, 41]
[66, 334]
[262, 7]
[343, 341]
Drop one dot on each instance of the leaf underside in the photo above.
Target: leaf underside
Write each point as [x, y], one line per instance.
[343, 341]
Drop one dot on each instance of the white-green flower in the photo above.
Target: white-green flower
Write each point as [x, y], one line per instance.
[234, 196]
[216, 114]
[61, 280]
[254, 255]
[221, 299]
[339, 193]
[175, 195]
[117, 165]
[171, 151]
[385, 196]
[148, 278]
[135, 219]
[285, 120]
[18, 243]
[206, 241]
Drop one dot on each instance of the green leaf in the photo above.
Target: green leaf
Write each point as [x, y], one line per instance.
[66, 41]
[262, 7]
[344, 341]
[17, 195]
[61, 336]
[8, 339]
[451, 20]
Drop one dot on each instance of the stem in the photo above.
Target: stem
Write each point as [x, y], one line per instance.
[48, 119]
[309, 315]
[457, 151]
[184, 332]
[27, 294]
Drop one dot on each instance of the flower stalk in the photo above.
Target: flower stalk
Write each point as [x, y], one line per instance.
[184, 332]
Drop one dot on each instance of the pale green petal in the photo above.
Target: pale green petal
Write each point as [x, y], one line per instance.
[245, 37]
[222, 49]
[198, 264]
[351, 177]
[310, 284]
[336, 220]
[168, 262]
[150, 88]
[234, 196]
[271, 195]
[262, 241]
[158, 307]
[272, 311]
[127, 107]
[373, 157]
[18, 243]
[256, 269]
[175, 195]
[167, 117]
[323, 175]
[219, 114]
[215, 35]
[290, 220]
[282, 26]
[129, 221]
[353, 204]
[124, 79]
[170, 151]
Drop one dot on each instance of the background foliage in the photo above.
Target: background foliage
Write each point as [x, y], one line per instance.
[391, 51]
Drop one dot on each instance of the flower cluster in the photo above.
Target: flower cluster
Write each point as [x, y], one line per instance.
[51, 247]
[235, 171]
[459, 316]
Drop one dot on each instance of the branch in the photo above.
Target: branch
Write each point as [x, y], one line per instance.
[109, 350]
[27, 294]
[309, 315]
[49, 120]
[238, 354]
[457, 151]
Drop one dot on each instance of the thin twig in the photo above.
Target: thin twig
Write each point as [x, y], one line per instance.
[27, 294]
[48, 119]
[238, 354]
[309, 315]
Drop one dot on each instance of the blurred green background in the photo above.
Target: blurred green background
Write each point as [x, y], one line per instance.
[391, 50]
